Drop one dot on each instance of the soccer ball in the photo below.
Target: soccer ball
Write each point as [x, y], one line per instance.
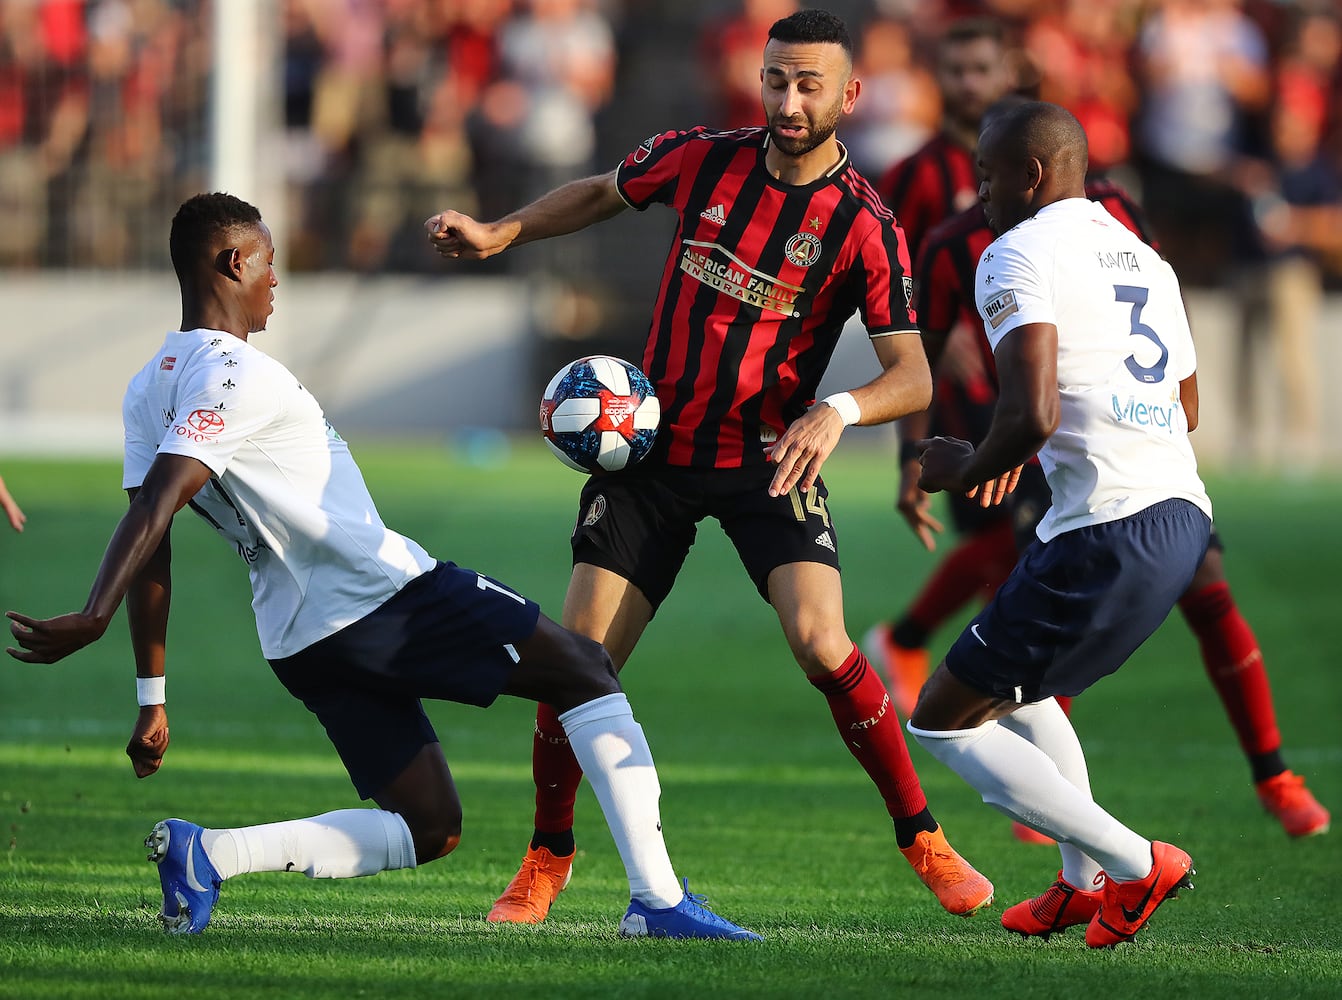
[599, 414]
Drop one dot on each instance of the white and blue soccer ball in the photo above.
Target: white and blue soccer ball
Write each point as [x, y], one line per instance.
[599, 414]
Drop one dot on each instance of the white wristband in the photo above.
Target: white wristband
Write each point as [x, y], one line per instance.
[149, 690]
[846, 406]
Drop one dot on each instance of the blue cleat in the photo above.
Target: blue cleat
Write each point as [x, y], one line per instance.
[190, 883]
[690, 918]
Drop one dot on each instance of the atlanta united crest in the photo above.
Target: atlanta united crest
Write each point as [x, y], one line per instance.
[803, 249]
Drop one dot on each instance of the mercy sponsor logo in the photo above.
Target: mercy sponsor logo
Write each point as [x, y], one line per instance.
[1131, 411]
[716, 267]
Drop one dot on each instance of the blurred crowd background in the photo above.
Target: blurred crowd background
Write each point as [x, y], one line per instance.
[1223, 117]
[1217, 113]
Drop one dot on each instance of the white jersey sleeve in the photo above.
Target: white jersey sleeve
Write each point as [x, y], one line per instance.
[284, 490]
[1011, 292]
[1123, 348]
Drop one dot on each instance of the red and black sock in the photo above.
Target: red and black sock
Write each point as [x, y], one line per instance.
[557, 776]
[973, 570]
[872, 732]
[1233, 661]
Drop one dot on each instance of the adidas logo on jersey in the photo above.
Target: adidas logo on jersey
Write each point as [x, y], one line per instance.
[824, 539]
[715, 215]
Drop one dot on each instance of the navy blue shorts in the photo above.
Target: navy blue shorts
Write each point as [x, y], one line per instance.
[641, 523]
[450, 634]
[1075, 608]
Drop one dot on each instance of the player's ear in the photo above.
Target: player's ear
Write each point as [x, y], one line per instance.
[228, 262]
[1034, 173]
[850, 91]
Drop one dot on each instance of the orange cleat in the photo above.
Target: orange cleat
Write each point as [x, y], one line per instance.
[958, 887]
[528, 897]
[1029, 835]
[903, 670]
[1299, 812]
[1058, 907]
[1125, 907]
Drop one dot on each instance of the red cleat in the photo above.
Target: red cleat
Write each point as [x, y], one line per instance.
[1299, 812]
[1058, 907]
[1127, 906]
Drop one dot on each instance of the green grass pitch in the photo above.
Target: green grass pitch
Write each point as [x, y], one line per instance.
[764, 809]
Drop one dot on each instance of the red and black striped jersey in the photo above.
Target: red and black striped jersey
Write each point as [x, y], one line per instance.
[760, 279]
[945, 276]
[930, 185]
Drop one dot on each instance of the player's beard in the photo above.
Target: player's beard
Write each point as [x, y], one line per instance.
[816, 133]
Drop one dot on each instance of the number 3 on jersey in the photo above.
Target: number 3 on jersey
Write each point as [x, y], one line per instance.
[1137, 296]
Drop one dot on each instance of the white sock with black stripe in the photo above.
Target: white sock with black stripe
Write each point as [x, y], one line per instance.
[345, 843]
[615, 759]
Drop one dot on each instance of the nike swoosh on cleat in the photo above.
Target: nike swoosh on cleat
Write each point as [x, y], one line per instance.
[191, 879]
[1134, 915]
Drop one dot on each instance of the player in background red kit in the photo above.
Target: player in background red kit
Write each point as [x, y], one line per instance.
[935, 183]
[1230, 651]
[779, 241]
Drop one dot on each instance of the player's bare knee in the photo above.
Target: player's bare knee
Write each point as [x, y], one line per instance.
[820, 651]
[437, 838]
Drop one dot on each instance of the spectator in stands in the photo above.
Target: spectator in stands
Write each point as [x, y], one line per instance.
[1080, 55]
[730, 53]
[1293, 219]
[900, 108]
[1203, 69]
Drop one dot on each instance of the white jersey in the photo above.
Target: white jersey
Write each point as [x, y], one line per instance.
[285, 490]
[1123, 347]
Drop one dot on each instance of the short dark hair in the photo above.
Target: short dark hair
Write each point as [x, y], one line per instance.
[810, 26]
[1048, 132]
[971, 29]
[198, 221]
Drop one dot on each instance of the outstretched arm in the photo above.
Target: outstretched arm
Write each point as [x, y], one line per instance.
[566, 209]
[171, 481]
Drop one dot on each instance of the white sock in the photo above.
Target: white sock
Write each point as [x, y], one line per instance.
[616, 760]
[1018, 778]
[342, 844]
[1046, 725]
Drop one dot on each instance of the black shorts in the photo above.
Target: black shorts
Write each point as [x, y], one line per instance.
[1076, 607]
[450, 634]
[641, 523]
